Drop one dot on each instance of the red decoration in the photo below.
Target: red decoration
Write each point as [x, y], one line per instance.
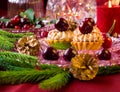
[106, 16]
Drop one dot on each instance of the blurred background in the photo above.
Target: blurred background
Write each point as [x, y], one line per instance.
[4, 5]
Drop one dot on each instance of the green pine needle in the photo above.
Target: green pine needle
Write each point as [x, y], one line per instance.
[47, 66]
[107, 70]
[21, 57]
[6, 62]
[13, 35]
[8, 39]
[5, 44]
[25, 76]
[56, 82]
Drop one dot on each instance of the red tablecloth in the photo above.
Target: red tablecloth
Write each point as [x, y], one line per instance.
[109, 83]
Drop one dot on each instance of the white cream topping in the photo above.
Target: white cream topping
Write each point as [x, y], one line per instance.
[94, 36]
[58, 35]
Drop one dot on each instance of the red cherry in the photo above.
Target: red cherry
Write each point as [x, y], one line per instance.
[107, 42]
[91, 21]
[15, 20]
[26, 26]
[104, 54]
[43, 34]
[86, 28]
[17, 27]
[62, 24]
[9, 25]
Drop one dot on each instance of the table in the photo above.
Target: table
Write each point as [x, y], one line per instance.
[108, 83]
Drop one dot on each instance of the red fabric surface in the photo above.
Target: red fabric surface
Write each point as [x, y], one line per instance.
[109, 83]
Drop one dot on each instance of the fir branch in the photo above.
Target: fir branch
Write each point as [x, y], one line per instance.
[13, 35]
[25, 76]
[5, 44]
[9, 39]
[47, 66]
[21, 57]
[107, 70]
[56, 82]
[6, 62]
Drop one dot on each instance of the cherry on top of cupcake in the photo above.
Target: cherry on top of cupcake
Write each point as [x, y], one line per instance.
[62, 25]
[87, 26]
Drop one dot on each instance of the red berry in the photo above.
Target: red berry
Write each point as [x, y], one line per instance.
[61, 24]
[24, 21]
[50, 53]
[90, 20]
[104, 55]
[107, 42]
[26, 26]
[43, 34]
[69, 54]
[15, 20]
[87, 26]
[9, 25]
[17, 27]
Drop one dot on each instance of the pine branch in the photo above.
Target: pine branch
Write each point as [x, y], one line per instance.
[25, 76]
[107, 70]
[47, 66]
[12, 40]
[13, 35]
[56, 82]
[5, 44]
[8, 67]
[7, 62]
[21, 57]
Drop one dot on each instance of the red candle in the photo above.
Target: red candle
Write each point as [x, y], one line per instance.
[105, 17]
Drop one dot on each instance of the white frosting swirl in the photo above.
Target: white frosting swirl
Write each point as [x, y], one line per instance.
[58, 35]
[94, 36]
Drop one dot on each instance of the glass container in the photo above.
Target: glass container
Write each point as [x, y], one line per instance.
[16, 6]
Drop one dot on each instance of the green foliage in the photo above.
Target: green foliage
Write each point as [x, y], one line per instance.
[4, 20]
[8, 39]
[61, 45]
[19, 57]
[107, 70]
[7, 62]
[46, 66]
[56, 82]
[27, 76]
[5, 44]
[13, 35]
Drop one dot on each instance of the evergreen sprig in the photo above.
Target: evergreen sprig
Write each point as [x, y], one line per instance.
[13, 35]
[26, 76]
[49, 77]
[47, 66]
[8, 39]
[107, 70]
[7, 62]
[17, 56]
[5, 44]
[56, 82]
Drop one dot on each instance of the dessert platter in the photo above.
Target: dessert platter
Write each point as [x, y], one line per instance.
[51, 53]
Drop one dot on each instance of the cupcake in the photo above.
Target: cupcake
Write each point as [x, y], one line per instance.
[61, 36]
[87, 36]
